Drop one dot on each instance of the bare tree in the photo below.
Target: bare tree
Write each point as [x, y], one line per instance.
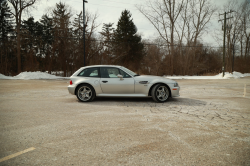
[19, 6]
[246, 25]
[237, 32]
[200, 13]
[177, 21]
[197, 16]
[153, 58]
[92, 47]
[163, 15]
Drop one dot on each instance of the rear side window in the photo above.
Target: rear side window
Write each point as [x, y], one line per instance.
[90, 72]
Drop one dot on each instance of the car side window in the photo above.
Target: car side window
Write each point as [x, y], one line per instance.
[109, 72]
[89, 72]
[124, 74]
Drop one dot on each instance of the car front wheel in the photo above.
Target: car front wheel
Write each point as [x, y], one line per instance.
[160, 93]
[85, 93]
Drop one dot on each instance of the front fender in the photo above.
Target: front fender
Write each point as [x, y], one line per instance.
[146, 87]
[151, 87]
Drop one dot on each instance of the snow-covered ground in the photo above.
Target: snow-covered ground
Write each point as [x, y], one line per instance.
[32, 76]
[219, 76]
[44, 75]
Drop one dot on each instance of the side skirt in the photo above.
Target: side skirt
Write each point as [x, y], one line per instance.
[121, 95]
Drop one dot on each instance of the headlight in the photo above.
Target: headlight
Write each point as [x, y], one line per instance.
[176, 84]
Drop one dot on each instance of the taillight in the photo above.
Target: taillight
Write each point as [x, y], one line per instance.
[70, 82]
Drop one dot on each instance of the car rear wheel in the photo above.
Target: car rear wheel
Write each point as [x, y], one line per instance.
[160, 93]
[85, 93]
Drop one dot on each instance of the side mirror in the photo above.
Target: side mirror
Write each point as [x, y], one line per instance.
[120, 76]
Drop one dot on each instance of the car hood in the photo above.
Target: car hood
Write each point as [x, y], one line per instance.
[151, 78]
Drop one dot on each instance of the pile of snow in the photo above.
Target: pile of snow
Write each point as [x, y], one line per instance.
[5, 77]
[219, 76]
[44, 75]
[239, 75]
[32, 76]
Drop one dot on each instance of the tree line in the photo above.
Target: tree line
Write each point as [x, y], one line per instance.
[55, 42]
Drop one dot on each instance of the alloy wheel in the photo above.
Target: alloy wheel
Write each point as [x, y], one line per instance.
[85, 93]
[162, 93]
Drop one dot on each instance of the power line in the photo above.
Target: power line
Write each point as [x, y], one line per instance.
[108, 1]
[76, 38]
[108, 6]
[119, 2]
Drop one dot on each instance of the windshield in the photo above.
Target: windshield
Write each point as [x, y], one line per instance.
[128, 71]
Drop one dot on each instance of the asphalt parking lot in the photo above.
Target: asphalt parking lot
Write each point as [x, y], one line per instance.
[42, 124]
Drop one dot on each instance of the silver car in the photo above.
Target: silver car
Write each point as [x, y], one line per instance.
[117, 81]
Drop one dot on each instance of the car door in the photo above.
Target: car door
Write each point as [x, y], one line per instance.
[111, 84]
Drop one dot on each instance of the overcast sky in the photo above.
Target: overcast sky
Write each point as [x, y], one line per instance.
[110, 11]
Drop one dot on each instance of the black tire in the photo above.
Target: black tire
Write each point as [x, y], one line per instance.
[85, 93]
[160, 93]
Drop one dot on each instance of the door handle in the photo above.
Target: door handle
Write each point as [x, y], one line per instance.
[104, 81]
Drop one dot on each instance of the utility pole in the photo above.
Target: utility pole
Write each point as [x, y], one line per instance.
[84, 63]
[224, 40]
[233, 55]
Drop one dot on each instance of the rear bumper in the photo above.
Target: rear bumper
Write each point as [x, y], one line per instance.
[71, 89]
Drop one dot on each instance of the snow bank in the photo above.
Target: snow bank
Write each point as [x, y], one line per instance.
[32, 76]
[238, 74]
[44, 75]
[5, 77]
[228, 75]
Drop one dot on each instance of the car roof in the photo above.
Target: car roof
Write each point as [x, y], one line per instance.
[102, 66]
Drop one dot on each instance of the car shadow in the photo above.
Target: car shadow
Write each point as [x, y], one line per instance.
[148, 100]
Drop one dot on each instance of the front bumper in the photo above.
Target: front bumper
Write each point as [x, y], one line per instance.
[175, 91]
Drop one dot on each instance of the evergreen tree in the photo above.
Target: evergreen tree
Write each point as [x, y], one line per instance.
[46, 56]
[128, 48]
[48, 28]
[31, 43]
[33, 30]
[62, 44]
[107, 34]
[107, 37]
[78, 28]
[7, 58]
[6, 20]
[47, 32]
[78, 46]
[37, 38]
